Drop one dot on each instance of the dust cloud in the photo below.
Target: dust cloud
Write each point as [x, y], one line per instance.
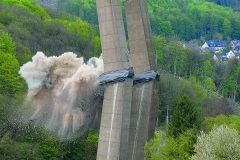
[64, 91]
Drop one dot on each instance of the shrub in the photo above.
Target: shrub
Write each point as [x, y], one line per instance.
[220, 143]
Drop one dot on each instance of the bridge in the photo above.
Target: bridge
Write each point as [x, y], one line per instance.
[129, 110]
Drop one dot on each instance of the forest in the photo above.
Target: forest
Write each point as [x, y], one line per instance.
[186, 19]
[198, 112]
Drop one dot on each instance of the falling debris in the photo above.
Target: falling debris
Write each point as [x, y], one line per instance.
[64, 91]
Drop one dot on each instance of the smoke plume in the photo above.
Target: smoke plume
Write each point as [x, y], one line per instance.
[64, 91]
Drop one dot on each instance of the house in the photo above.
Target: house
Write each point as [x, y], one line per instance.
[230, 55]
[226, 56]
[214, 45]
[193, 46]
[237, 55]
[234, 43]
[215, 58]
[220, 57]
[237, 48]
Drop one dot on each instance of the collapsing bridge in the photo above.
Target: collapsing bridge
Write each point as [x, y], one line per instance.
[129, 110]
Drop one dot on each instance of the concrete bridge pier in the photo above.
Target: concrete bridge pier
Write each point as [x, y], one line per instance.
[129, 112]
[115, 121]
[143, 118]
[145, 96]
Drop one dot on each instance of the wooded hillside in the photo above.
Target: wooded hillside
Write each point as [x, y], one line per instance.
[25, 28]
[194, 89]
[187, 19]
[34, 29]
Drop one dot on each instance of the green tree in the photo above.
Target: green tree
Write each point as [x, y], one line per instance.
[30, 5]
[10, 81]
[6, 44]
[227, 29]
[188, 28]
[163, 147]
[85, 9]
[207, 69]
[160, 45]
[174, 58]
[164, 27]
[185, 117]
[232, 121]
[231, 88]
[9, 149]
[236, 28]
[91, 145]
[209, 84]
[7, 18]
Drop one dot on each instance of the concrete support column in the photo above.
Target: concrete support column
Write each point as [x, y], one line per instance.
[115, 121]
[143, 117]
[144, 98]
[114, 129]
[142, 53]
[112, 34]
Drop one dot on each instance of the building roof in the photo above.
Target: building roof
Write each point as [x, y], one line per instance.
[216, 43]
[237, 48]
[235, 42]
[191, 44]
[237, 54]
[221, 56]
